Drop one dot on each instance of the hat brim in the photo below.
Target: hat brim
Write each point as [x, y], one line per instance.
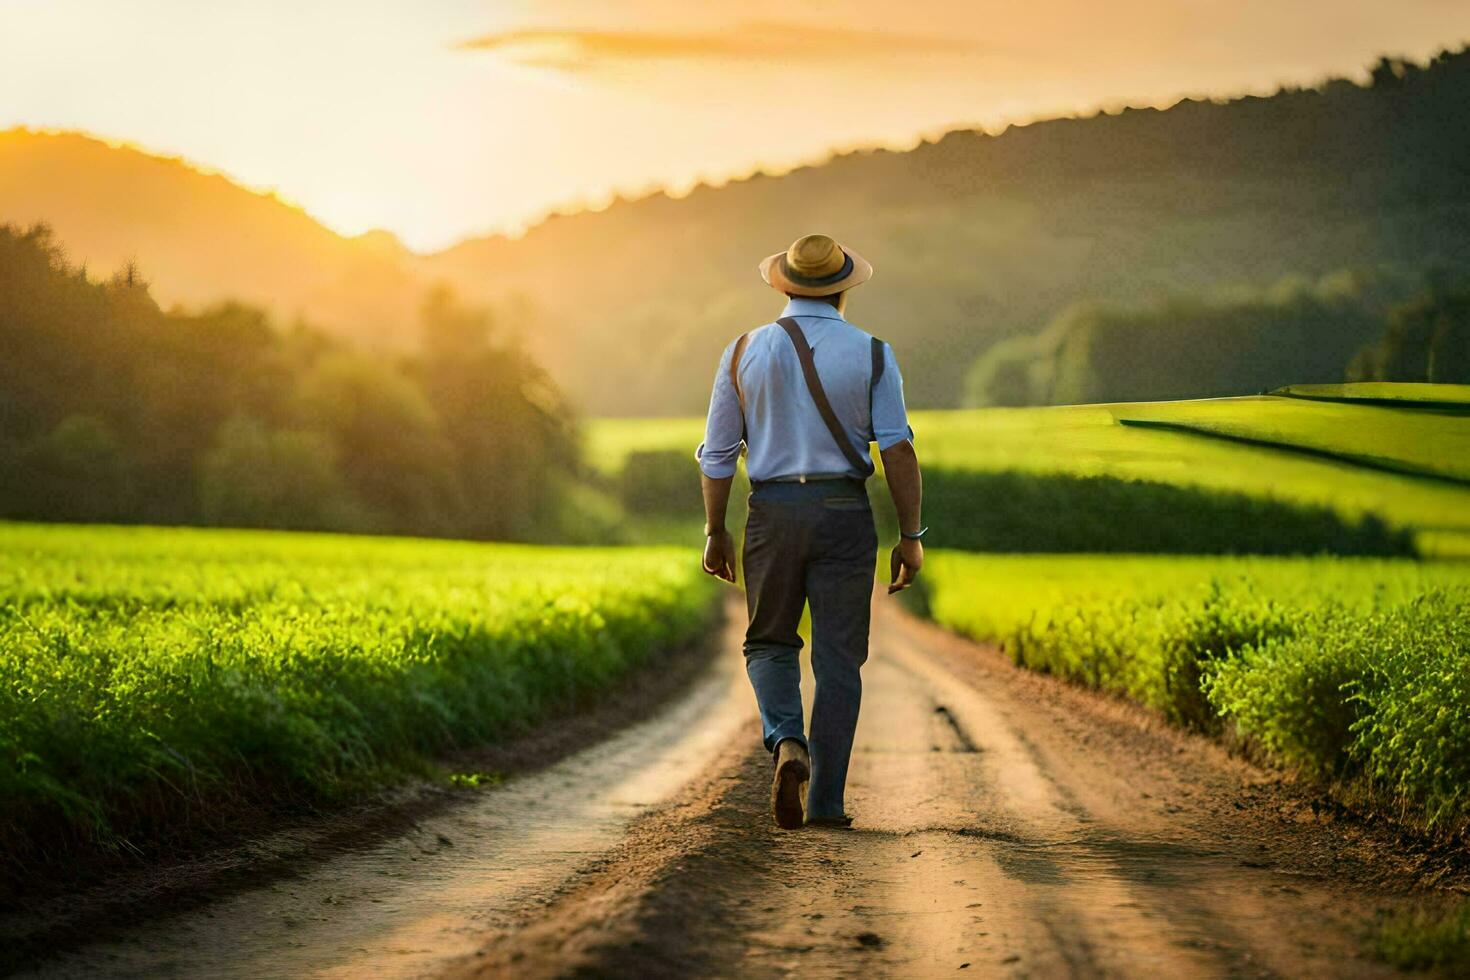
[773, 273]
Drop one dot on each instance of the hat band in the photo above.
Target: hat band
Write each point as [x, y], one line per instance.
[801, 280]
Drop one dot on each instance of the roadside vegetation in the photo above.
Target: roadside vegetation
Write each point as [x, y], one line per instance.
[1353, 671]
[1428, 939]
[154, 678]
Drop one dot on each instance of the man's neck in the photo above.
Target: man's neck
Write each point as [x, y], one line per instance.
[811, 306]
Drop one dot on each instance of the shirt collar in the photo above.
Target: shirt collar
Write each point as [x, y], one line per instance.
[807, 306]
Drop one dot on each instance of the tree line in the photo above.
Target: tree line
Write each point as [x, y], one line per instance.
[1356, 325]
[978, 239]
[114, 409]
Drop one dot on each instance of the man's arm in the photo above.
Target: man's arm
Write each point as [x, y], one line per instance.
[901, 468]
[718, 456]
[906, 485]
[719, 546]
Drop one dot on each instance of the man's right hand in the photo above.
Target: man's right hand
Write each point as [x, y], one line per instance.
[719, 556]
[904, 563]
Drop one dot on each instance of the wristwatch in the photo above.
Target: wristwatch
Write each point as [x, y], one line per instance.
[916, 535]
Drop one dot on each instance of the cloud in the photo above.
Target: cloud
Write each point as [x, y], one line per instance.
[574, 49]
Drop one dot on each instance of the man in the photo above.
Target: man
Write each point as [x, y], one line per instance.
[806, 395]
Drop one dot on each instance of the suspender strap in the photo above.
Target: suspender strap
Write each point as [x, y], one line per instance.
[735, 378]
[860, 461]
[879, 364]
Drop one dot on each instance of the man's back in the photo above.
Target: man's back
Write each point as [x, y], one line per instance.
[780, 423]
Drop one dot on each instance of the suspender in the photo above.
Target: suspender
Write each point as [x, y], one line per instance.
[879, 363]
[859, 460]
[735, 378]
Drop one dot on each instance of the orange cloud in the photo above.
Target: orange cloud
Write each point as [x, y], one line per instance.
[574, 49]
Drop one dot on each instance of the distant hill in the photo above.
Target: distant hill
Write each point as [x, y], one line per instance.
[975, 238]
[199, 237]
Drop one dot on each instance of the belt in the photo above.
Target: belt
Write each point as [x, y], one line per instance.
[812, 478]
[812, 488]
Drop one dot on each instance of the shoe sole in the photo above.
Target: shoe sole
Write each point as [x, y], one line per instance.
[787, 791]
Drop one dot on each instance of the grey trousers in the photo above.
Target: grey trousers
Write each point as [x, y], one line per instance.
[810, 543]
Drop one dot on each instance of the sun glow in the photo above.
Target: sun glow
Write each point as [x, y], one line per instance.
[440, 121]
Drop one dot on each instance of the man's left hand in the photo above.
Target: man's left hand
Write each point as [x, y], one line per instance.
[719, 556]
[904, 563]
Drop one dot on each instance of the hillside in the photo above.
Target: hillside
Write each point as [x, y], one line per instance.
[200, 238]
[975, 238]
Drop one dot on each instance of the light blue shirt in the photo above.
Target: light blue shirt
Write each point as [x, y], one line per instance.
[785, 436]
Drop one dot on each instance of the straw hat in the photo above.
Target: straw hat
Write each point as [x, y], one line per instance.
[815, 265]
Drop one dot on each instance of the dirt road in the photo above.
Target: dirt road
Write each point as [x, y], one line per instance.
[1006, 825]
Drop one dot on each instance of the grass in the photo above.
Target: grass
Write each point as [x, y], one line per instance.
[154, 676]
[610, 441]
[1405, 440]
[1388, 392]
[1089, 441]
[1355, 671]
[1428, 939]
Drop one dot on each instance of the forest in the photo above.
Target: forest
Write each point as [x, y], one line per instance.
[1353, 325]
[113, 409]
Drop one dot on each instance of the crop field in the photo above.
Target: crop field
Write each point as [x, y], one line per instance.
[1091, 441]
[1347, 669]
[152, 674]
[1413, 441]
[611, 441]
[1390, 392]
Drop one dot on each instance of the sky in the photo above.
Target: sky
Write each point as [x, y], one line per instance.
[441, 119]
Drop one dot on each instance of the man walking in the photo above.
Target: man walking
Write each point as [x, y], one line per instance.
[805, 395]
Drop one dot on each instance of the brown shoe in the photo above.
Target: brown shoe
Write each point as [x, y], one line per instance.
[788, 788]
[843, 822]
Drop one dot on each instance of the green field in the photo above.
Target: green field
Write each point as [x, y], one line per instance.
[1356, 670]
[1090, 440]
[1391, 392]
[151, 675]
[1411, 441]
[610, 441]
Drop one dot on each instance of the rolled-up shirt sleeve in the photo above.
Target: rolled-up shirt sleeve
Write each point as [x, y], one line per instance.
[890, 417]
[724, 428]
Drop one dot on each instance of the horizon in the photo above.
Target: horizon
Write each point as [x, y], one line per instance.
[532, 108]
[605, 201]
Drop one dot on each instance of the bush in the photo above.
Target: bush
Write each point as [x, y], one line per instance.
[1427, 939]
[1155, 652]
[255, 477]
[662, 481]
[665, 483]
[1013, 511]
[1378, 698]
[78, 471]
